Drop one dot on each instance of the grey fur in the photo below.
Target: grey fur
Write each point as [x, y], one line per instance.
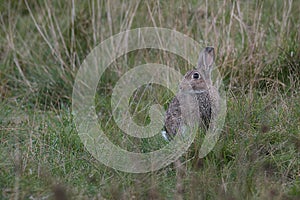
[199, 88]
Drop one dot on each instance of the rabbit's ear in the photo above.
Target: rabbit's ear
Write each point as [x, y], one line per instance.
[206, 59]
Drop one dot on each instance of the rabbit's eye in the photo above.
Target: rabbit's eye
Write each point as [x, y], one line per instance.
[196, 75]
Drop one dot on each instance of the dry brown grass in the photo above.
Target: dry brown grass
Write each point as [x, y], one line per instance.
[42, 44]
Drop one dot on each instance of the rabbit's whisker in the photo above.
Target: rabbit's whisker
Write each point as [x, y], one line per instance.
[194, 92]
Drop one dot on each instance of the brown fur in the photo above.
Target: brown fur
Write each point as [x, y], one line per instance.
[199, 89]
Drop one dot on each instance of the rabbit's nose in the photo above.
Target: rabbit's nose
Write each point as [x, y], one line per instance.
[209, 49]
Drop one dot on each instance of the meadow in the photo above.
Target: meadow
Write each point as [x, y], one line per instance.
[43, 44]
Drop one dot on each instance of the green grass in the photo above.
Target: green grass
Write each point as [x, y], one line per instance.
[42, 45]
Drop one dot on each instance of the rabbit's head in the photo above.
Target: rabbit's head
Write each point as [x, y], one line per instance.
[193, 81]
[199, 80]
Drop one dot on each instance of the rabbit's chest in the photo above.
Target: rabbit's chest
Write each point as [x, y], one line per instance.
[185, 107]
[204, 103]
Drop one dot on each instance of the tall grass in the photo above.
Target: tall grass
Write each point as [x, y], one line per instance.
[42, 46]
[44, 43]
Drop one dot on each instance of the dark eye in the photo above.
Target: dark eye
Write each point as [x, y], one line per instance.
[196, 75]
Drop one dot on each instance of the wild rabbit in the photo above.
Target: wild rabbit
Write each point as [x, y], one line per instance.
[196, 84]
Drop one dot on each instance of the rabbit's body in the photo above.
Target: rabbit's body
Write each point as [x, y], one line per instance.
[196, 86]
[174, 118]
[200, 96]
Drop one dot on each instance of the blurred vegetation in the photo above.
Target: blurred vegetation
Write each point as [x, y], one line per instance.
[42, 44]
